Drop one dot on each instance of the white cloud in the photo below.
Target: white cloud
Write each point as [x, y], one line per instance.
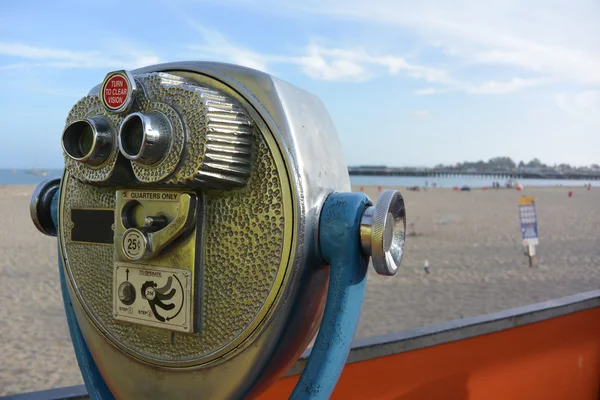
[37, 53]
[319, 68]
[350, 65]
[513, 45]
[216, 46]
[48, 57]
[553, 40]
[331, 64]
[419, 114]
[358, 64]
[427, 91]
[584, 105]
[228, 52]
[494, 87]
[316, 61]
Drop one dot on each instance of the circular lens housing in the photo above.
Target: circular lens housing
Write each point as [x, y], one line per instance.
[78, 139]
[133, 136]
[145, 138]
[88, 140]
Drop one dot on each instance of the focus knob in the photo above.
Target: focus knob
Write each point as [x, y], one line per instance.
[40, 206]
[382, 232]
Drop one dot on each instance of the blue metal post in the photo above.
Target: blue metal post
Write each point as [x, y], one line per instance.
[94, 382]
[339, 240]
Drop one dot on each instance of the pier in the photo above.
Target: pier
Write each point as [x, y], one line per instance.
[495, 174]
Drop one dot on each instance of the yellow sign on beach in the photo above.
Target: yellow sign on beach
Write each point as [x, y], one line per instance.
[526, 200]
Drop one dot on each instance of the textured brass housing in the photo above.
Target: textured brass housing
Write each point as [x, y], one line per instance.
[247, 251]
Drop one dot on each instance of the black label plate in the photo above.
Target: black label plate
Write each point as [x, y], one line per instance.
[92, 225]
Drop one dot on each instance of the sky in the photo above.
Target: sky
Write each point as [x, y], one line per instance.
[407, 83]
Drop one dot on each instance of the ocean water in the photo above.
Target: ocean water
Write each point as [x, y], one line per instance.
[24, 177]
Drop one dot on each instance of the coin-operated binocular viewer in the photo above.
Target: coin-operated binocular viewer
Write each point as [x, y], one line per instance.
[206, 231]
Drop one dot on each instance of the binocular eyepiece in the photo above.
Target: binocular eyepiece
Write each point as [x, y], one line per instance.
[89, 140]
[145, 138]
[159, 129]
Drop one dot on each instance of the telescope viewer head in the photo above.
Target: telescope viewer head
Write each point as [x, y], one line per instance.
[188, 225]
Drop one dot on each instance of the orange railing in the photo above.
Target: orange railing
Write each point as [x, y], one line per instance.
[543, 351]
[556, 358]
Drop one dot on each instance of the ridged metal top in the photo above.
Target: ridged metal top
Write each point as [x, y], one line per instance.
[219, 132]
[210, 144]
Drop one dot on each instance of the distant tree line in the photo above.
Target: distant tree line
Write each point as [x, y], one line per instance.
[507, 164]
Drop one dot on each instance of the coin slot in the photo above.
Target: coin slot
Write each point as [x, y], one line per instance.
[133, 214]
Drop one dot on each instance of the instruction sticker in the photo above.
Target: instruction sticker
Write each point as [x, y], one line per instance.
[153, 296]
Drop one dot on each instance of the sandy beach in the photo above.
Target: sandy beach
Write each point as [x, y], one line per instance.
[471, 239]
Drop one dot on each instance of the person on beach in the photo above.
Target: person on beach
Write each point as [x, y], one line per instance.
[426, 266]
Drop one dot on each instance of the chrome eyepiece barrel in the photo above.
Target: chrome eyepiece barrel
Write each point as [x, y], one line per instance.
[145, 137]
[89, 140]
